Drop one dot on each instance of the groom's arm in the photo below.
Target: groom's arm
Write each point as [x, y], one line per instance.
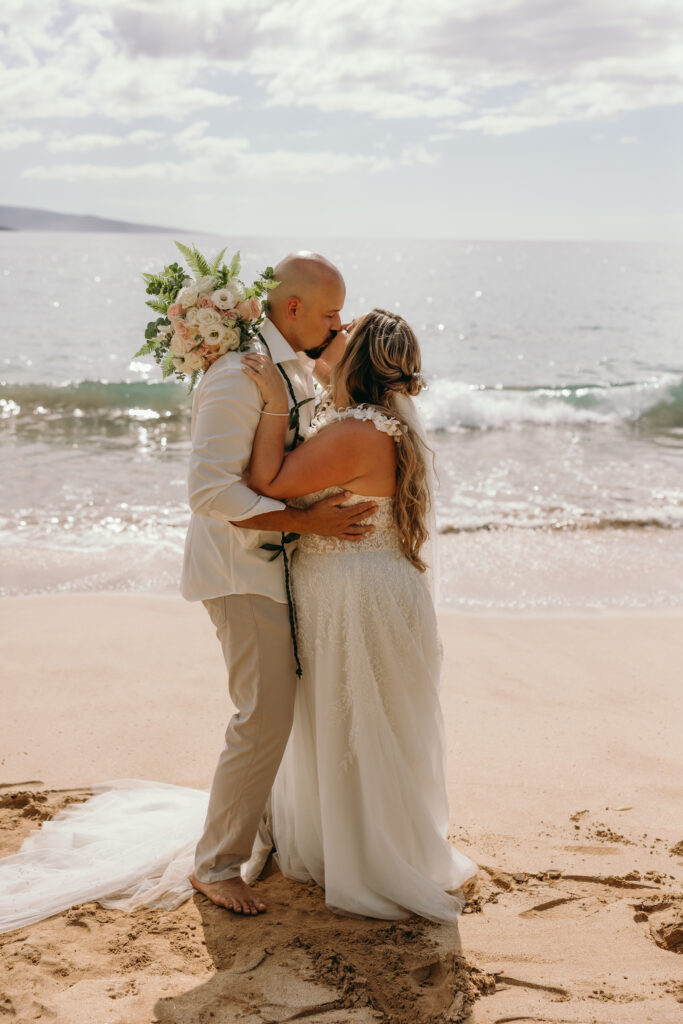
[327, 518]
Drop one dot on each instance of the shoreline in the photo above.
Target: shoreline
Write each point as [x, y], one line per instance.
[512, 572]
[576, 611]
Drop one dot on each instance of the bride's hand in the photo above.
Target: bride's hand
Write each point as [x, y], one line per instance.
[268, 380]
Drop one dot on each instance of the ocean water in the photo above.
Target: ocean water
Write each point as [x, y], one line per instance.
[555, 408]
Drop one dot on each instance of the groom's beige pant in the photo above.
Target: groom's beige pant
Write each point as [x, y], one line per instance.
[257, 645]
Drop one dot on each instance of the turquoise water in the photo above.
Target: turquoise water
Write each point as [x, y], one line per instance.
[555, 405]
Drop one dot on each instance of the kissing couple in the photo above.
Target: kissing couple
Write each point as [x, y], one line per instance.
[336, 751]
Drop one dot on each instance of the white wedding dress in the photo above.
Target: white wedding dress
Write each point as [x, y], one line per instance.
[359, 803]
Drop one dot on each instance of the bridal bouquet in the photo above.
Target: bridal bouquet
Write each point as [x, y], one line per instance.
[204, 316]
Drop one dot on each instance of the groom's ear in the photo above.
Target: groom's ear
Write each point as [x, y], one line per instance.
[293, 306]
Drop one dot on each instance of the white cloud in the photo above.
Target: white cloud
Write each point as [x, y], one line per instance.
[209, 158]
[13, 138]
[490, 67]
[376, 82]
[493, 68]
[82, 69]
[194, 95]
[104, 172]
[84, 143]
[597, 92]
[222, 32]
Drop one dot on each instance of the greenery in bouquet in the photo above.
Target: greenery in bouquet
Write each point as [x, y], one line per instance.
[204, 316]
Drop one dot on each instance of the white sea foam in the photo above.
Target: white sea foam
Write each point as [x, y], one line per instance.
[454, 404]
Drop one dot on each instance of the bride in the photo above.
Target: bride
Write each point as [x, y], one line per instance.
[359, 803]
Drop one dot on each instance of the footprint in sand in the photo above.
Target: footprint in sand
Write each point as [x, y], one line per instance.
[27, 804]
[669, 935]
[666, 930]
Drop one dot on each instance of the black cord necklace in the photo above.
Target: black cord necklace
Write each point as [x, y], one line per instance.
[294, 415]
[287, 538]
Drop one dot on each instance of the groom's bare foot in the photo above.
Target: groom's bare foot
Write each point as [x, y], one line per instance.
[232, 893]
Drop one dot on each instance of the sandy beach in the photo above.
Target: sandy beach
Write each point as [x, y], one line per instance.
[565, 779]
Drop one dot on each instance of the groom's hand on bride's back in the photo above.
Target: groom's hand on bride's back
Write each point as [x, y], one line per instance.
[329, 518]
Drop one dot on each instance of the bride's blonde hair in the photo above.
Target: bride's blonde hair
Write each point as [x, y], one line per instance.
[382, 360]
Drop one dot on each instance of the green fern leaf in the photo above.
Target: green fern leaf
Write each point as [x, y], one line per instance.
[213, 269]
[202, 265]
[148, 347]
[168, 366]
[185, 250]
[235, 264]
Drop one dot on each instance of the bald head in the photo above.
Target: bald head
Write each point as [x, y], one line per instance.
[306, 305]
[303, 273]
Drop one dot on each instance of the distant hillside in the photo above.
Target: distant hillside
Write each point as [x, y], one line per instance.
[24, 218]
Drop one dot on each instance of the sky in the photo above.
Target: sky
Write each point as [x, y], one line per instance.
[513, 119]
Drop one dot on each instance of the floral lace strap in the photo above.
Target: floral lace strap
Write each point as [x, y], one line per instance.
[387, 424]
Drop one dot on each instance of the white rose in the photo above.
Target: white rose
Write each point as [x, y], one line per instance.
[178, 346]
[193, 361]
[232, 338]
[187, 296]
[205, 284]
[224, 298]
[213, 334]
[237, 289]
[191, 317]
[207, 317]
[179, 364]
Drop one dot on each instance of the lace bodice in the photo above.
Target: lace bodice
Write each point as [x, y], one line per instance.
[385, 536]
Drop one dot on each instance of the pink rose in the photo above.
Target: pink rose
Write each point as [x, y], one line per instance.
[204, 302]
[174, 310]
[178, 346]
[183, 330]
[231, 314]
[250, 309]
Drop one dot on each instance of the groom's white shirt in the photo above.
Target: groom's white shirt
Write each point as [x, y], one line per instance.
[222, 559]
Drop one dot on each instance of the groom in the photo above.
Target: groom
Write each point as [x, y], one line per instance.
[242, 590]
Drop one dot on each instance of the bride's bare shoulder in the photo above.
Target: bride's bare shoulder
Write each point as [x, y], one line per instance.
[354, 433]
